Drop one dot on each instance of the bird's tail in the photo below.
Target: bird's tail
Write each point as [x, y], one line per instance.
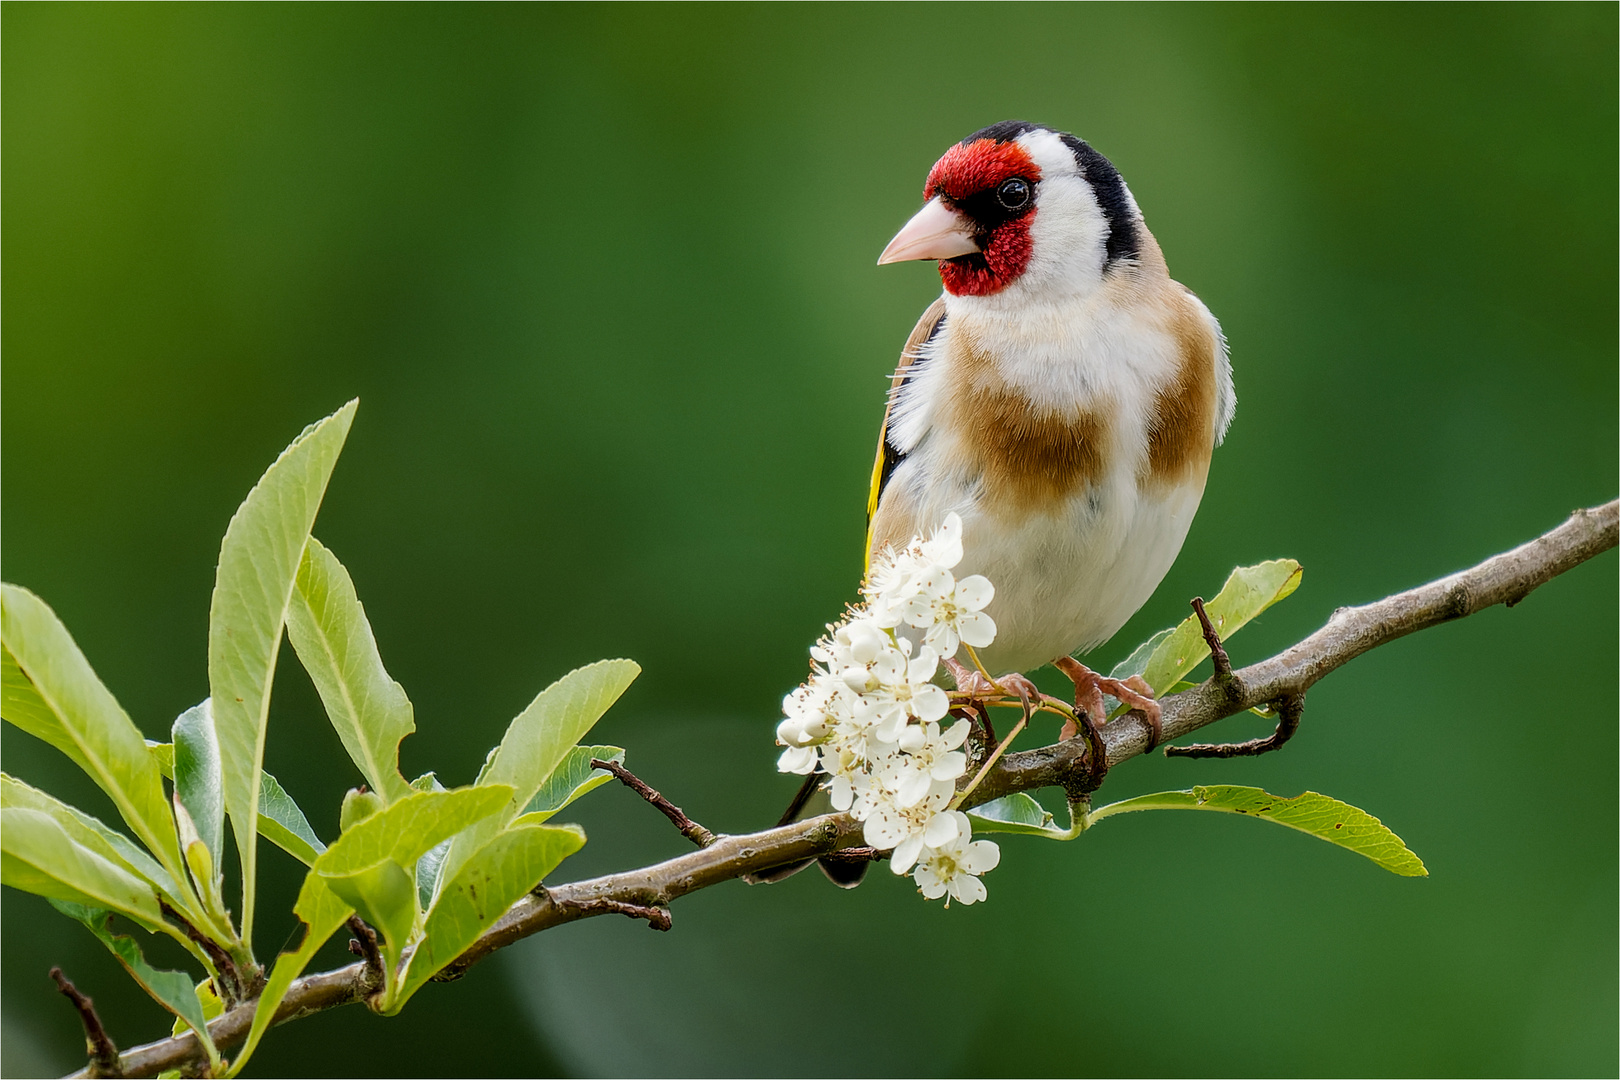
[806, 802]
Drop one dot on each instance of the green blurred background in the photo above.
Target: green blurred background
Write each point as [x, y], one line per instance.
[602, 278]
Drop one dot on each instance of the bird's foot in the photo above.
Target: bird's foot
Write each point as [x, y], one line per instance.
[1028, 693]
[1089, 688]
[968, 681]
[980, 688]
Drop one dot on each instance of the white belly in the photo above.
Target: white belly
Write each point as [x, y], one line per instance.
[1068, 579]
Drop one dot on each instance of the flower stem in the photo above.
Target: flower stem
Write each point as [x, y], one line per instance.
[991, 760]
[980, 665]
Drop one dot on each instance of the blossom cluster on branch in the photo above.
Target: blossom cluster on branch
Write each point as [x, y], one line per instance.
[871, 718]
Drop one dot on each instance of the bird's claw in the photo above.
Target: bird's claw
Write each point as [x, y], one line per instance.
[1090, 714]
[970, 682]
[979, 687]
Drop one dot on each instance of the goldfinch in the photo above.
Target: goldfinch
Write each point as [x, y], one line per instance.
[1064, 396]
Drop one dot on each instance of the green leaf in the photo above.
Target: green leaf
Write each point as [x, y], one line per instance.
[280, 820]
[197, 782]
[82, 718]
[327, 626]
[108, 843]
[408, 828]
[427, 867]
[569, 780]
[1018, 813]
[22, 705]
[89, 833]
[38, 856]
[1137, 662]
[1322, 817]
[284, 825]
[171, 989]
[1247, 592]
[385, 896]
[487, 884]
[538, 740]
[541, 735]
[322, 911]
[258, 562]
[370, 865]
[207, 1000]
[358, 804]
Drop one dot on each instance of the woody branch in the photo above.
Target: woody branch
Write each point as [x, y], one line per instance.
[646, 893]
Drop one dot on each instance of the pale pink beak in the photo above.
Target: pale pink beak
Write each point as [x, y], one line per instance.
[936, 232]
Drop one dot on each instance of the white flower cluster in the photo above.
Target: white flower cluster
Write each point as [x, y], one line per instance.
[871, 718]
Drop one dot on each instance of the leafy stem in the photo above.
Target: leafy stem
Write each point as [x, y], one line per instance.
[1505, 578]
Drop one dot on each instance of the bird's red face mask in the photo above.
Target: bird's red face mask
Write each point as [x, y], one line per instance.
[981, 203]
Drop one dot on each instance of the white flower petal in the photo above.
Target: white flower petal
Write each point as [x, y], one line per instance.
[880, 831]
[974, 591]
[918, 612]
[938, 584]
[889, 724]
[930, 703]
[982, 857]
[976, 628]
[905, 854]
[797, 759]
[923, 665]
[967, 889]
[949, 766]
[956, 734]
[890, 667]
[945, 638]
[941, 830]
[945, 546]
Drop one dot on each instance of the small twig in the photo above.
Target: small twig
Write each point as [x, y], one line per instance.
[855, 855]
[1217, 651]
[690, 829]
[985, 725]
[657, 917]
[1289, 710]
[981, 737]
[1001, 748]
[232, 986]
[364, 945]
[103, 1054]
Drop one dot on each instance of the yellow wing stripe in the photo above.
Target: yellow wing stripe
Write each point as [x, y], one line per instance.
[872, 501]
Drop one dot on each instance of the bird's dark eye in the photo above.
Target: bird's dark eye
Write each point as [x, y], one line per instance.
[1013, 194]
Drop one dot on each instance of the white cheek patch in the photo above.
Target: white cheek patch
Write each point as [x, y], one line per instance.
[1069, 234]
[1069, 237]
